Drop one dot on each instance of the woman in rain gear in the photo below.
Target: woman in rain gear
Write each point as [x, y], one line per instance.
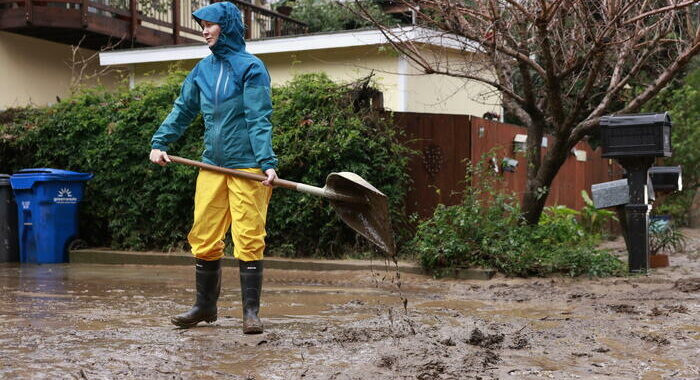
[231, 88]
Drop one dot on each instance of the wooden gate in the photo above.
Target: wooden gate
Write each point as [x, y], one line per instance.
[446, 142]
[443, 143]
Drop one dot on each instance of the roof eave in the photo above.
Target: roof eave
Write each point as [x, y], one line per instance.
[291, 44]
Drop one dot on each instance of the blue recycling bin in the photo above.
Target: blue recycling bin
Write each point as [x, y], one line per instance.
[47, 210]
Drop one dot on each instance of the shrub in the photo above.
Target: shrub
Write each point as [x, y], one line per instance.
[486, 230]
[133, 204]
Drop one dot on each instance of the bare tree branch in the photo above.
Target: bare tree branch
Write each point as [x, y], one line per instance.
[79, 63]
[661, 10]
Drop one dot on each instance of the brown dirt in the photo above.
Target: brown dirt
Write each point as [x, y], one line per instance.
[107, 321]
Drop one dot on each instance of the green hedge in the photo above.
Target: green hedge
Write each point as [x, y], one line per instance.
[320, 127]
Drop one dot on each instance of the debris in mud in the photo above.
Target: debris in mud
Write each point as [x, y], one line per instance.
[273, 337]
[574, 296]
[535, 372]
[431, 369]
[623, 308]
[688, 285]
[656, 339]
[304, 343]
[363, 334]
[519, 342]
[481, 359]
[447, 341]
[386, 361]
[478, 338]
[601, 350]
[677, 309]
[490, 358]
[352, 304]
[503, 293]
[655, 311]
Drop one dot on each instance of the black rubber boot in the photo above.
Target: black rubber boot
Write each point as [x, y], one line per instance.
[208, 278]
[251, 287]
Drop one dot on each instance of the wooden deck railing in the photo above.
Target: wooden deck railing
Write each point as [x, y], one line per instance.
[154, 16]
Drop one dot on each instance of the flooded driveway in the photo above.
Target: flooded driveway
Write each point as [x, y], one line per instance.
[90, 321]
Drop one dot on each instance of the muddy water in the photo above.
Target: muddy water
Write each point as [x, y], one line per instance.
[95, 321]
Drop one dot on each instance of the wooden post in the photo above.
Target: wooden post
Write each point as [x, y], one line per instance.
[28, 17]
[84, 13]
[176, 22]
[134, 18]
[248, 21]
[278, 26]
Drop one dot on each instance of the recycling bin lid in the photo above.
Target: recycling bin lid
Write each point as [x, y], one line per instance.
[26, 178]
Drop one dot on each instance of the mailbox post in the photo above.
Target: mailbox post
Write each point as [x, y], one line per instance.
[635, 141]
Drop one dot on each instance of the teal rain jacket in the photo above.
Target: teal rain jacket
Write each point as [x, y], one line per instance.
[231, 88]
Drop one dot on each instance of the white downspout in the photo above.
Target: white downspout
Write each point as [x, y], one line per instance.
[402, 71]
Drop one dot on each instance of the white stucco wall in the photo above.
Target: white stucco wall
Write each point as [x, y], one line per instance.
[35, 71]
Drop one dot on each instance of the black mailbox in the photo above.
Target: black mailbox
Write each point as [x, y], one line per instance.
[666, 178]
[639, 135]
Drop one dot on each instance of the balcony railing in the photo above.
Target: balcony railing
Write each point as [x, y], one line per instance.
[143, 22]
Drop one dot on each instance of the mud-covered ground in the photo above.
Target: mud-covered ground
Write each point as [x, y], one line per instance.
[108, 321]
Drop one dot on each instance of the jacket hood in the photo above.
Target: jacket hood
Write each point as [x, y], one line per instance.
[229, 18]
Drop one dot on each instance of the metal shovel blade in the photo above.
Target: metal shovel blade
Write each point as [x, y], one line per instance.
[367, 214]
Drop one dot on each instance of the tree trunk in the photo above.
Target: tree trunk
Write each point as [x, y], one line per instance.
[538, 186]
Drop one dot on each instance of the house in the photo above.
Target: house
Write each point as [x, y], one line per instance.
[47, 47]
[344, 56]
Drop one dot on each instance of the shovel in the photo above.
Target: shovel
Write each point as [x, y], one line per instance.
[359, 204]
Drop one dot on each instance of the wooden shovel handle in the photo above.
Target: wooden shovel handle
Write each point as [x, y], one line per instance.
[236, 173]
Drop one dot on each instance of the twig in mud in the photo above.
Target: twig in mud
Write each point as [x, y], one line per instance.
[396, 279]
[549, 318]
[82, 374]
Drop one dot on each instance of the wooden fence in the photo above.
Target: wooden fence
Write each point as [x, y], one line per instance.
[447, 142]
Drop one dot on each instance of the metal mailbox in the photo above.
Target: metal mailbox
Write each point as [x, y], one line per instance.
[614, 193]
[666, 178]
[639, 135]
[610, 194]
